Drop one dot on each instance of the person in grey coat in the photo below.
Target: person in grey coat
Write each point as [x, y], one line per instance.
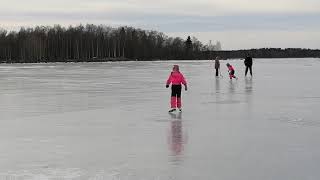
[217, 65]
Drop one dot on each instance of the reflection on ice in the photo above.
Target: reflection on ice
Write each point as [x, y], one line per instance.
[217, 85]
[248, 85]
[232, 86]
[176, 134]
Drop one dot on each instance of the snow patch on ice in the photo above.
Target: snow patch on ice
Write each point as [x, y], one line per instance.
[44, 173]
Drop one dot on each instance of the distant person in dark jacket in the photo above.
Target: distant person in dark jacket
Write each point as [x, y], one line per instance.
[217, 65]
[248, 64]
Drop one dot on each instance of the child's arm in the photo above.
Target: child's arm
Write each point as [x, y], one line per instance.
[169, 81]
[184, 82]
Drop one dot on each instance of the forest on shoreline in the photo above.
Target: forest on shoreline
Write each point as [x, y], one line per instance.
[92, 43]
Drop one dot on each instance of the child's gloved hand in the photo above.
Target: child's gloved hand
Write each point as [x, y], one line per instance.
[167, 85]
[186, 88]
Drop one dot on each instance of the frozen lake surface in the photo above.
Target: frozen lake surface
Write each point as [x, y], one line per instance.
[109, 121]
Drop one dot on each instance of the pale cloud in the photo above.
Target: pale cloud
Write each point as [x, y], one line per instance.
[221, 17]
[226, 7]
[181, 7]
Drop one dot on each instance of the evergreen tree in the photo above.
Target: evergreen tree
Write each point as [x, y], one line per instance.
[189, 48]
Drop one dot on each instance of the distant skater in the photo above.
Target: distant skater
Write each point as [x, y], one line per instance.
[231, 71]
[176, 78]
[248, 64]
[217, 65]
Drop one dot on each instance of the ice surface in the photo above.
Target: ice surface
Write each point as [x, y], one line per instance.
[109, 121]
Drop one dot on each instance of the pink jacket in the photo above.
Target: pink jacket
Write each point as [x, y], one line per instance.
[176, 78]
[230, 68]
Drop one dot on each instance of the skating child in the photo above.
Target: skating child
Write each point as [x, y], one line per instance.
[176, 78]
[231, 71]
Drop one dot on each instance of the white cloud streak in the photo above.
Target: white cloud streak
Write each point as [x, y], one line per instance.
[181, 7]
[222, 18]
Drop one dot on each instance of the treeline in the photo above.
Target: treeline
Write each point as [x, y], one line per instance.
[103, 43]
[92, 43]
[264, 53]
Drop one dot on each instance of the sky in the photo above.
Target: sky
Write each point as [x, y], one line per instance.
[237, 24]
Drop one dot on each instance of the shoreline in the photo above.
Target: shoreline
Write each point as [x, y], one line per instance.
[133, 60]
